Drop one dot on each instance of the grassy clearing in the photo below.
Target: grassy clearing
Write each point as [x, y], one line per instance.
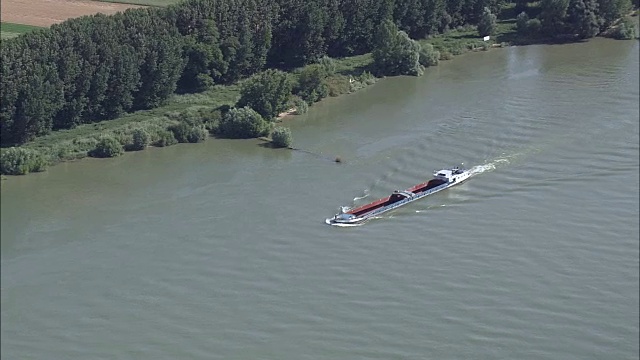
[157, 3]
[10, 30]
[354, 65]
[465, 39]
[218, 96]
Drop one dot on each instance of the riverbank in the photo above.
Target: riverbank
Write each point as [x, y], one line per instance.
[351, 74]
[67, 145]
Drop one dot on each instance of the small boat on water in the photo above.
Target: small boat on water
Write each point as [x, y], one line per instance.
[443, 179]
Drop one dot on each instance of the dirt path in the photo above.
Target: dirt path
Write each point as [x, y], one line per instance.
[48, 12]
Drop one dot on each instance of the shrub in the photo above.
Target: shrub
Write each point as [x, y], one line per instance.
[281, 137]
[141, 139]
[457, 50]
[429, 56]
[534, 26]
[312, 85]
[204, 82]
[66, 151]
[211, 118]
[180, 131]
[367, 78]
[300, 105]
[338, 84]
[85, 144]
[186, 133]
[20, 161]
[625, 31]
[60, 152]
[107, 146]
[394, 52]
[124, 137]
[446, 55]
[328, 64]
[153, 130]
[197, 134]
[242, 123]
[361, 81]
[165, 138]
[173, 115]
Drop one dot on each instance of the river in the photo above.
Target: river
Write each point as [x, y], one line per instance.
[220, 251]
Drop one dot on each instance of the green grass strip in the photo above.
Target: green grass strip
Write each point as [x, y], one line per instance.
[9, 30]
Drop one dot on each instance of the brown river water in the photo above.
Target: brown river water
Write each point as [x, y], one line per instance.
[220, 251]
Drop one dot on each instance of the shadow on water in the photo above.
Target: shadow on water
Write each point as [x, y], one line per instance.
[267, 144]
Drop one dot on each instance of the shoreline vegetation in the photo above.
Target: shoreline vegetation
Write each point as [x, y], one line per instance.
[210, 98]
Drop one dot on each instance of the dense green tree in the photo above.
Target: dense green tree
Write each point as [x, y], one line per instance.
[487, 23]
[266, 93]
[394, 52]
[552, 16]
[122, 83]
[410, 15]
[203, 57]
[521, 5]
[9, 91]
[160, 71]
[361, 18]
[39, 98]
[521, 23]
[454, 10]
[436, 17]
[611, 10]
[334, 29]
[242, 61]
[73, 72]
[583, 18]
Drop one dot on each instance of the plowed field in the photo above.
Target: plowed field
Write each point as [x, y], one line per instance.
[49, 12]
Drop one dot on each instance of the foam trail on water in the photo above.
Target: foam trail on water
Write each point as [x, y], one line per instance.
[490, 166]
[366, 194]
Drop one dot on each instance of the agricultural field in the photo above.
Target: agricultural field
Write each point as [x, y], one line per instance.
[10, 30]
[159, 3]
[45, 13]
